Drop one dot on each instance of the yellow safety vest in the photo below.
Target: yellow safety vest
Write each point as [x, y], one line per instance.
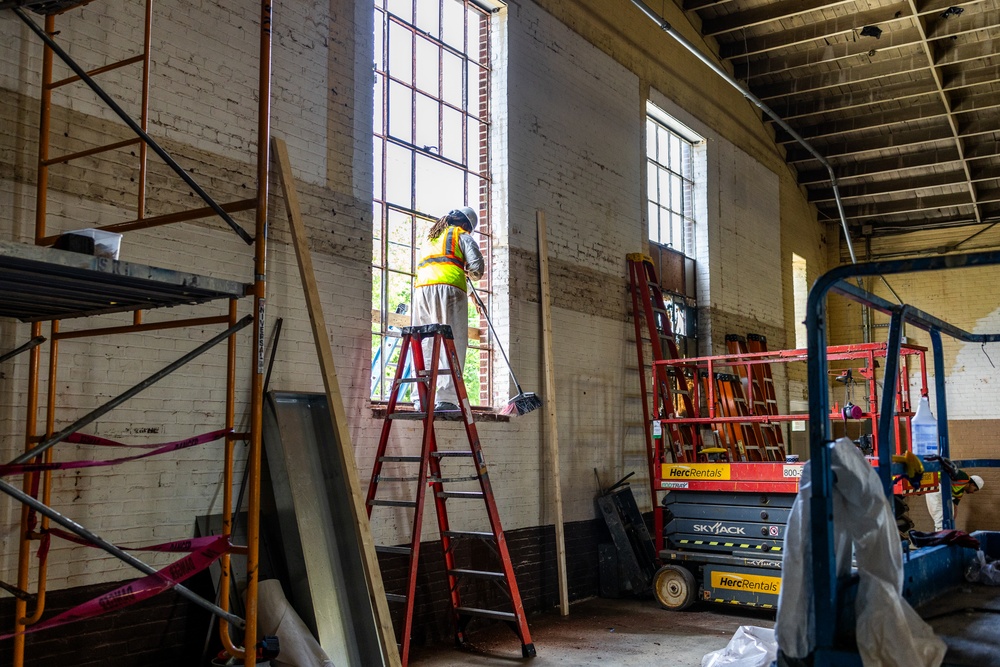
[443, 261]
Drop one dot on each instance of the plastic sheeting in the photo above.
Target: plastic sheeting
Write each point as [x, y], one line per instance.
[889, 631]
[297, 646]
[750, 647]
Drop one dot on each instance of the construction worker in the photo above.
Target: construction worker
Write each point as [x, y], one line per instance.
[961, 484]
[448, 255]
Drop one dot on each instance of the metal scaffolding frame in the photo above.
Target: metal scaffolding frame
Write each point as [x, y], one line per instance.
[61, 285]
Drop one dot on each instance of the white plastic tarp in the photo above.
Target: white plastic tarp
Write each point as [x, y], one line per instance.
[750, 646]
[889, 632]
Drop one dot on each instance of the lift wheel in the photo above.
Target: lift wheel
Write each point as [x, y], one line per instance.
[675, 587]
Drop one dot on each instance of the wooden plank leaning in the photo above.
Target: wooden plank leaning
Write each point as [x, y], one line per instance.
[346, 450]
[552, 444]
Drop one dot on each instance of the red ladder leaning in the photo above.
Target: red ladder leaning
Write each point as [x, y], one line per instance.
[429, 474]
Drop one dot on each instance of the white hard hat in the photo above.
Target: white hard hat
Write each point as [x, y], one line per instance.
[468, 214]
[977, 480]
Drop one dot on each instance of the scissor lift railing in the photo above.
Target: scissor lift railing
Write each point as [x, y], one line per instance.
[826, 593]
[117, 286]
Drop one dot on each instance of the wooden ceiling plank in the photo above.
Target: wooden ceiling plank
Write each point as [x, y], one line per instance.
[695, 5]
[873, 144]
[868, 121]
[777, 63]
[964, 52]
[893, 67]
[884, 17]
[960, 201]
[884, 165]
[798, 108]
[943, 28]
[741, 48]
[956, 177]
[768, 13]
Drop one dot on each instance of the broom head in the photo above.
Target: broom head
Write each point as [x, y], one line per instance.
[522, 404]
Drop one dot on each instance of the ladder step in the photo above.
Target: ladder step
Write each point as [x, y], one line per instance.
[468, 495]
[393, 597]
[451, 452]
[392, 503]
[405, 551]
[443, 480]
[487, 613]
[396, 479]
[410, 380]
[399, 459]
[479, 574]
[479, 534]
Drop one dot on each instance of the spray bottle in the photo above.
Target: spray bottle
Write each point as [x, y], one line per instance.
[924, 430]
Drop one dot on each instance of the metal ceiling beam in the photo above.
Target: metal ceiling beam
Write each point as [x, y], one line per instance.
[884, 17]
[772, 11]
[779, 63]
[889, 67]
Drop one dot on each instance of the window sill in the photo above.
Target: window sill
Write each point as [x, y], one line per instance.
[379, 411]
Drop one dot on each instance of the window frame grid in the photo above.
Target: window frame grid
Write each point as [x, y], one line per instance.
[665, 205]
[477, 169]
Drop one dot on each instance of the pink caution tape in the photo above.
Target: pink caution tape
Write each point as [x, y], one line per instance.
[17, 469]
[186, 545]
[139, 589]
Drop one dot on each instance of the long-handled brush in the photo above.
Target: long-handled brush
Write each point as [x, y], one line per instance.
[524, 402]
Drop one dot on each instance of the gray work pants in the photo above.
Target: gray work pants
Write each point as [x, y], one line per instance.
[443, 304]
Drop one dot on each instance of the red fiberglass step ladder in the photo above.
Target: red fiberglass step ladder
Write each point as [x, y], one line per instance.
[428, 473]
[652, 327]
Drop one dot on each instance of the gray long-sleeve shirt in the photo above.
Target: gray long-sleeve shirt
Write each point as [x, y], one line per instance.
[474, 263]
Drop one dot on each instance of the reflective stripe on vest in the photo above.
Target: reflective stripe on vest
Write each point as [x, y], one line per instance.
[443, 262]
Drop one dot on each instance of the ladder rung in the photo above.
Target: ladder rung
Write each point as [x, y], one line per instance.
[468, 495]
[487, 613]
[451, 452]
[399, 459]
[405, 551]
[392, 503]
[394, 597]
[396, 479]
[444, 480]
[479, 574]
[479, 534]
[409, 380]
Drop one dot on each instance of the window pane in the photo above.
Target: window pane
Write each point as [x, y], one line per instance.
[451, 81]
[377, 169]
[400, 253]
[662, 147]
[654, 221]
[427, 124]
[651, 139]
[399, 176]
[379, 55]
[453, 26]
[439, 186]
[400, 112]
[451, 134]
[379, 92]
[377, 235]
[476, 36]
[676, 198]
[400, 53]
[427, 66]
[398, 291]
[429, 16]
[401, 8]
[676, 163]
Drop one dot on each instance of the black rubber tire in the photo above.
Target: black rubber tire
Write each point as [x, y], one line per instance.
[675, 587]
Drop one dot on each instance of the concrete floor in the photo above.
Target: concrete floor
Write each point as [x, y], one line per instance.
[606, 632]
